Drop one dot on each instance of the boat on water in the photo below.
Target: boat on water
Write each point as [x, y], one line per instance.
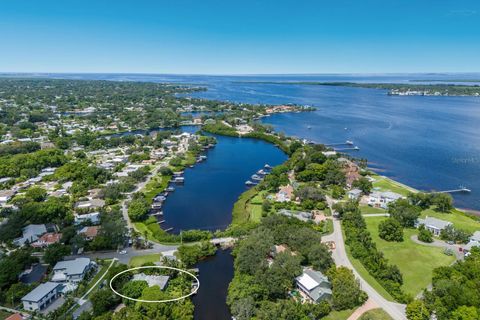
[309, 127]
[170, 189]
[250, 183]
[349, 142]
[179, 180]
[261, 172]
[256, 177]
[267, 166]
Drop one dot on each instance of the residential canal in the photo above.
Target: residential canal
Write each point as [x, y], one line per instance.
[215, 275]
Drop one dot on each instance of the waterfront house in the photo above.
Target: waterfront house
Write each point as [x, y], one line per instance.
[314, 285]
[152, 280]
[285, 194]
[433, 225]
[42, 296]
[72, 270]
[354, 194]
[382, 199]
[300, 215]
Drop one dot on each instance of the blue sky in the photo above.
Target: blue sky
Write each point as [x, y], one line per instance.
[240, 37]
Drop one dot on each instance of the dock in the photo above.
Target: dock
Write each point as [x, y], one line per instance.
[459, 190]
[347, 149]
[346, 143]
[160, 213]
[169, 229]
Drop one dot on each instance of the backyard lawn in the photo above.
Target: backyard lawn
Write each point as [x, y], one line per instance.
[386, 184]
[139, 260]
[371, 210]
[415, 261]
[4, 314]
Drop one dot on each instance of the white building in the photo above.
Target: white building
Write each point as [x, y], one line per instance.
[42, 296]
[72, 270]
[382, 199]
[433, 225]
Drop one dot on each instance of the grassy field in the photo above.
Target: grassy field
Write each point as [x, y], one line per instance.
[339, 315]
[386, 184]
[415, 261]
[371, 210]
[458, 218]
[156, 185]
[254, 207]
[241, 212]
[139, 260]
[375, 314]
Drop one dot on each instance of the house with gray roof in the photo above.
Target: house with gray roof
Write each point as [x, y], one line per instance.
[434, 225]
[72, 270]
[314, 285]
[42, 296]
[300, 215]
[354, 194]
[31, 233]
[152, 280]
[475, 236]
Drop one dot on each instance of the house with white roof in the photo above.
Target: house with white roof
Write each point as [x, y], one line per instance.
[72, 270]
[42, 296]
[92, 217]
[382, 199]
[314, 285]
[433, 225]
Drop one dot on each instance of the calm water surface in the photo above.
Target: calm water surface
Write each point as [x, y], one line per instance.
[215, 275]
[211, 188]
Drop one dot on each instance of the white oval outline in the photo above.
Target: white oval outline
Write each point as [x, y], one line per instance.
[156, 267]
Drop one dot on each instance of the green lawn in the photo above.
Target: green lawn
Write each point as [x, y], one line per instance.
[458, 218]
[415, 261]
[371, 210]
[386, 184]
[103, 269]
[156, 185]
[254, 207]
[140, 260]
[241, 213]
[366, 275]
[339, 315]
[375, 314]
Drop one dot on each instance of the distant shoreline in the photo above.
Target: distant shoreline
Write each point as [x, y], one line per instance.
[395, 89]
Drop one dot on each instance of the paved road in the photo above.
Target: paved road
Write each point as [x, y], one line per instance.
[131, 252]
[441, 244]
[339, 255]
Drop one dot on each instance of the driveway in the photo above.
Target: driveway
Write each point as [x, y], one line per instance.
[440, 244]
[339, 255]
